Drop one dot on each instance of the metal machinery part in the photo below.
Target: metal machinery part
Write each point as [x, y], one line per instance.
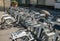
[58, 20]
[56, 27]
[42, 34]
[22, 34]
[6, 21]
[49, 35]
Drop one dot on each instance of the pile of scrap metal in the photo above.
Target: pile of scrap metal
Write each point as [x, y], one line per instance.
[38, 28]
[6, 21]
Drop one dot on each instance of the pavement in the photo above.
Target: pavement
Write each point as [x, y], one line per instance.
[5, 34]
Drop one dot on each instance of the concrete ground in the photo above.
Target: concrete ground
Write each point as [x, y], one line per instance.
[5, 34]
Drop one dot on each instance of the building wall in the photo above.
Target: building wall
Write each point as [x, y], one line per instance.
[44, 2]
[50, 2]
[7, 3]
[33, 2]
[23, 1]
[1, 3]
[4, 4]
[58, 1]
[41, 2]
